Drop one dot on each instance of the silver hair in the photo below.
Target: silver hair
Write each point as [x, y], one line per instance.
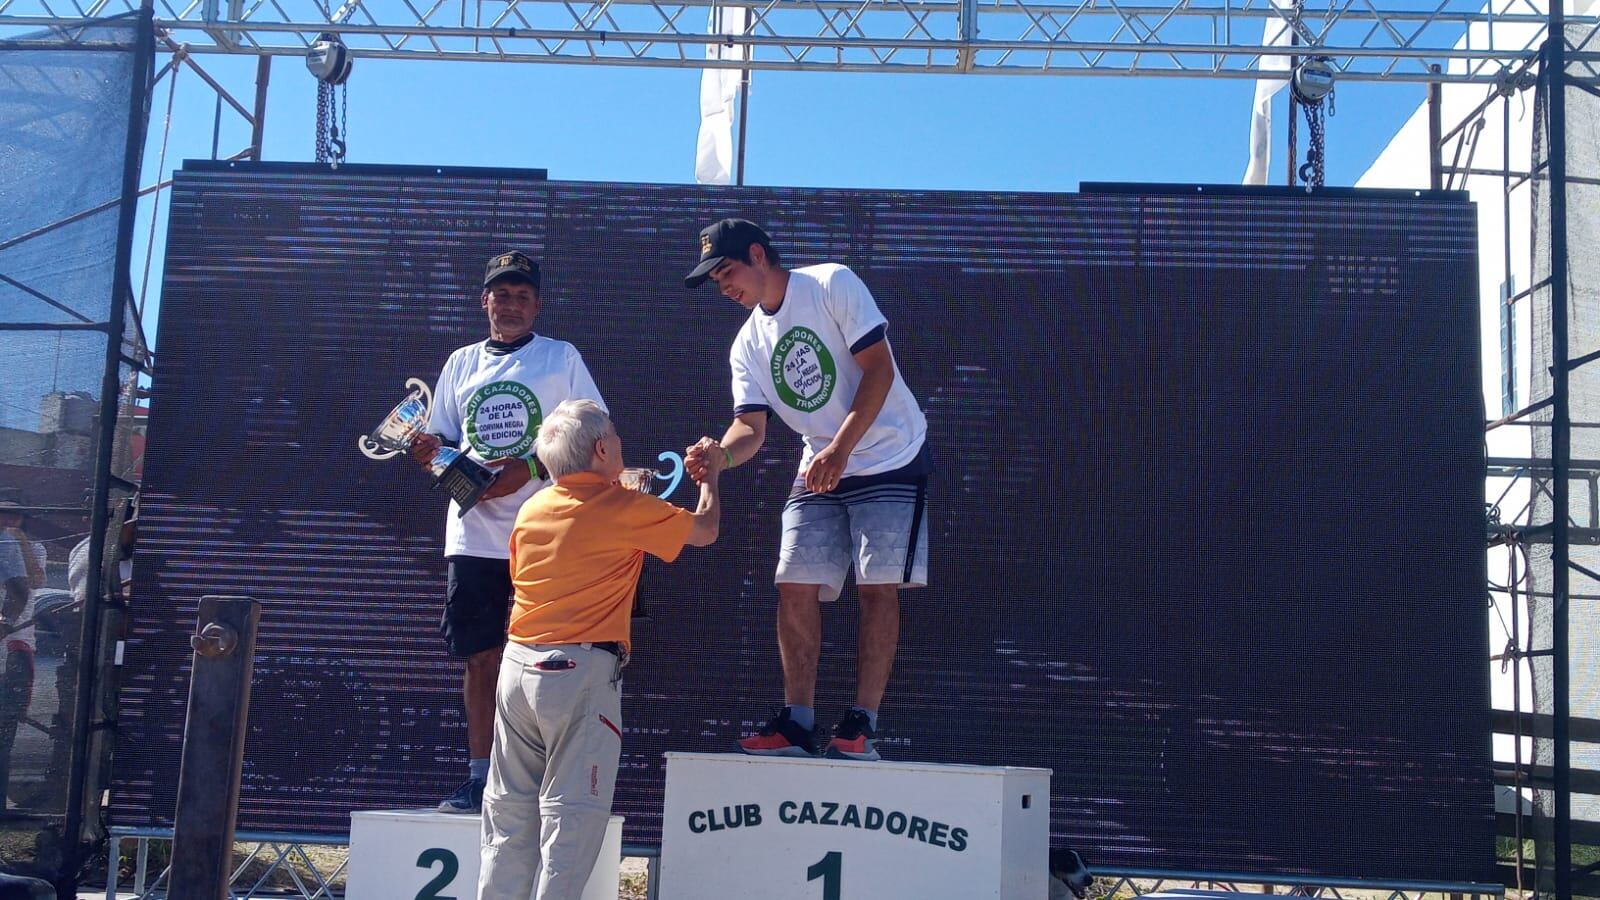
[568, 435]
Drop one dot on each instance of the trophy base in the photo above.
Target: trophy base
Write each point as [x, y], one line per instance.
[463, 478]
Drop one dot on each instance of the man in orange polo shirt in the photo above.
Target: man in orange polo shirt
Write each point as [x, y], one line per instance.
[576, 552]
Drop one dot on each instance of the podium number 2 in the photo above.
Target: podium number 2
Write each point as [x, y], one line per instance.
[827, 868]
[448, 867]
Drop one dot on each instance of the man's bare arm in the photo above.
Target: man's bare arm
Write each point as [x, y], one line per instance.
[877, 377]
[708, 514]
[745, 435]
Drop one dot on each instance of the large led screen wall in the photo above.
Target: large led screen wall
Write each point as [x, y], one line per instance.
[1207, 523]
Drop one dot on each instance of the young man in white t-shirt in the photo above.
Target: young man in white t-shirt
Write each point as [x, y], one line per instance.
[490, 399]
[815, 353]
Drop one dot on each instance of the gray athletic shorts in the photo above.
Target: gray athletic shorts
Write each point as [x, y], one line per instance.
[868, 523]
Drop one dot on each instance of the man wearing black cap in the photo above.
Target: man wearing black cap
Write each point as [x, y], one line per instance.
[490, 399]
[815, 353]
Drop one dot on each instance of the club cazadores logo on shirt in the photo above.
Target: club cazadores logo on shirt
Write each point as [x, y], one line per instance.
[502, 420]
[802, 370]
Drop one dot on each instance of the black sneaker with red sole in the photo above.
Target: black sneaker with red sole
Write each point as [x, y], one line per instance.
[853, 738]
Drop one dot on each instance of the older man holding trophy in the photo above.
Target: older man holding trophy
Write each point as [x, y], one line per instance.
[478, 441]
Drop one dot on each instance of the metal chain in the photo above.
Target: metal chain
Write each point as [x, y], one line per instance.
[1312, 173]
[331, 135]
[324, 102]
[341, 140]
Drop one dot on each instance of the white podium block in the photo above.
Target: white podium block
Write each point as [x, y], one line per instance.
[815, 829]
[419, 854]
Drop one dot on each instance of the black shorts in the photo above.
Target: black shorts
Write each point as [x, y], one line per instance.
[477, 605]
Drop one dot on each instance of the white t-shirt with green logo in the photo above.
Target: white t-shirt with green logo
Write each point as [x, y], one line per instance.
[491, 405]
[797, 362]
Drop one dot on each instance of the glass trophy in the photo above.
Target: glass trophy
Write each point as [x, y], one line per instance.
[464, 478]
[638, 479]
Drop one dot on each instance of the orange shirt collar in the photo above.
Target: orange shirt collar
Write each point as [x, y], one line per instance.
[582, 478]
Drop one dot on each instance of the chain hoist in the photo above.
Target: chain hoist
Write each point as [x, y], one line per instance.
[1312, 84]
[329, 60]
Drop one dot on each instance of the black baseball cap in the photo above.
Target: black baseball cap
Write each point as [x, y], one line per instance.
[512, 262]
[729, 237]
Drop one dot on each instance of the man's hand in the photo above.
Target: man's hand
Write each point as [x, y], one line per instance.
[425, 448]
[699, 457]
[514, 476]
[826, 468]
[714, 459]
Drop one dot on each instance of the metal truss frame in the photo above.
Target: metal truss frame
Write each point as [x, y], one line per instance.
[1517, 534]
[284, 850]
[1461, 145]
[1565, 65]
[1201, 887]
[1365, 40]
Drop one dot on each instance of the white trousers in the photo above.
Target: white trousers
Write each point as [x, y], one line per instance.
[557, 741]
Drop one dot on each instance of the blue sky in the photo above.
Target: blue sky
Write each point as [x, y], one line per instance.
[805, 128]
[597, 123]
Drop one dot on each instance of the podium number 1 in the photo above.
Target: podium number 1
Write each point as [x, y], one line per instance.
[448, 867]
[827, 868]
